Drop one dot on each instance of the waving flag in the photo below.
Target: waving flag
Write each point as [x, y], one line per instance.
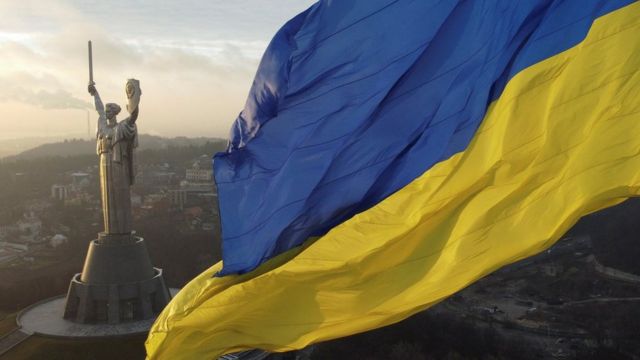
[426, 144]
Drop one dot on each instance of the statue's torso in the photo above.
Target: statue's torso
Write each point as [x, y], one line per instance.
[117, 140]
[115, 146]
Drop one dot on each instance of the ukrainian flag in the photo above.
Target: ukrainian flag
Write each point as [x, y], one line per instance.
[392, 152]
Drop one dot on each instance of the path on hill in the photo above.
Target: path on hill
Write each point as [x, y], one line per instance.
[601, 300]
[246, 355]
[12, 339]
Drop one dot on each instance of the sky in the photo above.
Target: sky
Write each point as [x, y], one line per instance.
[195, 61]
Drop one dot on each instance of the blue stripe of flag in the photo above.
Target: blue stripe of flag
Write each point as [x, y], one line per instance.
[355, 99]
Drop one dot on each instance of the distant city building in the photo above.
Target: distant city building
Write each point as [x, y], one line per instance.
[207, 226]
[74, 193]
[78, 198]
[38, 206]
[7, 256]
[59, 192]
[189, 194]
[155, 176]
[30, 227]
[11, 246]
[80, 180]
[18, 177]
[136, 200]
[198, 172]
[552, 269]
[156, 202]
[193, 212]
[58, 240]
[178, 198]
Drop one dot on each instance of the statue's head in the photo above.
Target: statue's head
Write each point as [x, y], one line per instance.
[111, 110]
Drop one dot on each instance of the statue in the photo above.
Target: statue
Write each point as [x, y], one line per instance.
[118, 283]
[115, 146]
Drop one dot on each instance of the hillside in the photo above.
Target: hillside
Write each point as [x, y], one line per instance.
[75, 147]
[11, 147]
[615, 233]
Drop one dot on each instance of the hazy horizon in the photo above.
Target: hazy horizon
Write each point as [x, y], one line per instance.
[195, 61]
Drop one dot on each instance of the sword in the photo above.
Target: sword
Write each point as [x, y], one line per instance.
[90, 65]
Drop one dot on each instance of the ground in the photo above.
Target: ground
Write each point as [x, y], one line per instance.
[44, 348]
[7, 323]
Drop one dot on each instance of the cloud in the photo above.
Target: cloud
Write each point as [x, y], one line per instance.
[59, 99]
[195, 59]
[43, 92]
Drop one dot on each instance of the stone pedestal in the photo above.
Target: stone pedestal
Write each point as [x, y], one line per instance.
[117, 284]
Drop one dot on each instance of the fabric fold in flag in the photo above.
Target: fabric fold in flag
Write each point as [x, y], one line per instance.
[557, 138]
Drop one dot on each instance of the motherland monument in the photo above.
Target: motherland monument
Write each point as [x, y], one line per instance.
[118, 282]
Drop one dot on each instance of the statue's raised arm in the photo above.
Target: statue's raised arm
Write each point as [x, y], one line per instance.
[96, 99]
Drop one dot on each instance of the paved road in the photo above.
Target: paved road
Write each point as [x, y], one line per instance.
[12, 339]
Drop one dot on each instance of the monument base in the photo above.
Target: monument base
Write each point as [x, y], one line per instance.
[44, 319]
[118, 283]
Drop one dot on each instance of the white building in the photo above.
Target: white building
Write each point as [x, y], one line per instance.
[58, 240]
[198, 174]
[29, 226]
[59, 192]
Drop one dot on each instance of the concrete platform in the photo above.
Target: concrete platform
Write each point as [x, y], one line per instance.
[45, 318]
